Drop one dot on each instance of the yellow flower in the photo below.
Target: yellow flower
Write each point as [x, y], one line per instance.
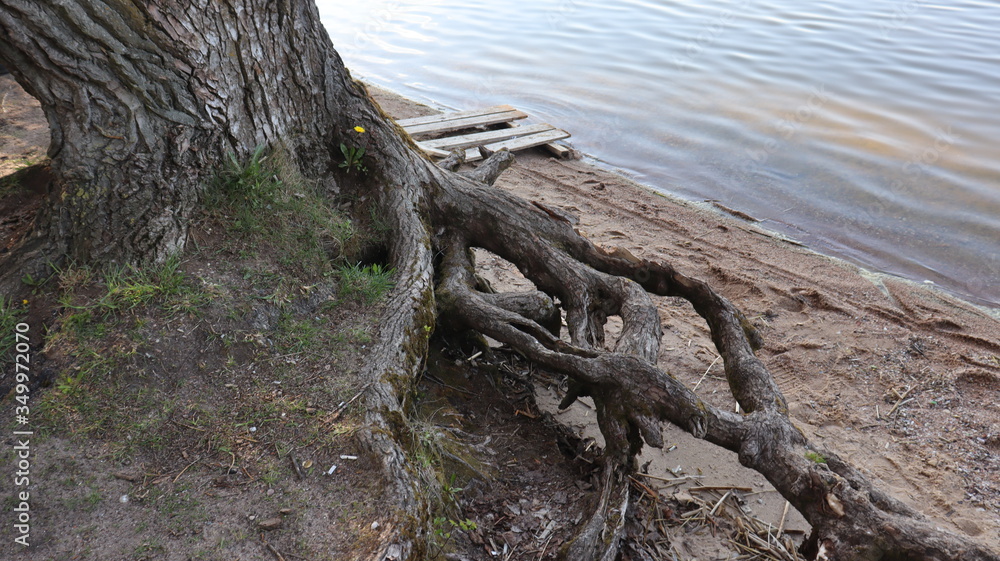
[25, 302]
[359, 129]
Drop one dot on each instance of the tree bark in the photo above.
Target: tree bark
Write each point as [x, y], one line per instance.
[146, 99]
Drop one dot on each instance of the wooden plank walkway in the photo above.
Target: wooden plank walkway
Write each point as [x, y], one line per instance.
[449, 122]
[512, 138]
[476, 139]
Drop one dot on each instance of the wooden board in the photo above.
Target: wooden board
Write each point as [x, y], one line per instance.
[439, 117]
[557, 150]
[520, 143]
[449, 122]
[470, 140]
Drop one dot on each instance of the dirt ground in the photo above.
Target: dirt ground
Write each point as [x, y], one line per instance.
[227, 401]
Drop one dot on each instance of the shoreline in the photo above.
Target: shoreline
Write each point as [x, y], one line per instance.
[877, 277]
[991, 305]
[841, 341]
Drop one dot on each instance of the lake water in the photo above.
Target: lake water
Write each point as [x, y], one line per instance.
[866, 130]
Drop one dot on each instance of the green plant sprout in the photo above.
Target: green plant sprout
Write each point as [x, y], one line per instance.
[353, 155]
[352, 158]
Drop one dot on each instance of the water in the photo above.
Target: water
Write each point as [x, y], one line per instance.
[867, 130]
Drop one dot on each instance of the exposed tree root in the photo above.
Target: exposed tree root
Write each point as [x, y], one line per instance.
[852, 519]
[393, 364]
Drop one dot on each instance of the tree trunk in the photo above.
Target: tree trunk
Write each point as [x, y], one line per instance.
[147, 99]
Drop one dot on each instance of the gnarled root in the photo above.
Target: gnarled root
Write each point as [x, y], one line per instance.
[852, 518]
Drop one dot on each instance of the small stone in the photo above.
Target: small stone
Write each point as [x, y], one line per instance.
[270, 524]
[375, 525]
[286, 511]
[270, 492]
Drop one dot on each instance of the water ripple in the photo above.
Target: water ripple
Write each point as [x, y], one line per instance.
[867, 129]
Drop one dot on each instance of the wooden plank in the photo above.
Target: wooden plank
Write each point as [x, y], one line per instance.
[470, 140]
[465, 123]
[557, 150]
[439, 117]
[434, 152]
[529, 141]
[472, 154]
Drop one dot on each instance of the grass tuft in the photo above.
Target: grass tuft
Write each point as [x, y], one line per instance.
[267, 200]
[815, 457]
[366, 283]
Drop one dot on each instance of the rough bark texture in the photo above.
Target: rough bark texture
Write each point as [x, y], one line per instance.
[146, 98]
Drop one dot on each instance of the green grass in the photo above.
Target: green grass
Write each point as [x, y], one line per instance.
[297, 335]
[815, 457]
[251, 184]
[129, 286]
[368, 283]
[101, 331]
[148, 550]
[265, 199]
[124, 288]
[87, 502]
